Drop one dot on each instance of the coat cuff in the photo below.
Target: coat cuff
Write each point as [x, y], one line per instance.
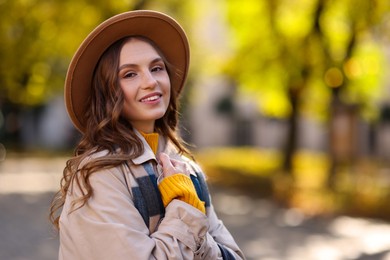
[185, 223]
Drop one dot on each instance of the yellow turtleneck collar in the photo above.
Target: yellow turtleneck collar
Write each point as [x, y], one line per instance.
[152, 140]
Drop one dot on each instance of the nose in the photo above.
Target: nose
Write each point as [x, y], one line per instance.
[148, 80]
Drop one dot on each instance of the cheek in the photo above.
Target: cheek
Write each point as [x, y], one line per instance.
[128, 93]
[128, 102]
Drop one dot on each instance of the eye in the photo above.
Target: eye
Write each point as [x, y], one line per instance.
[157, 68]
[129, 75]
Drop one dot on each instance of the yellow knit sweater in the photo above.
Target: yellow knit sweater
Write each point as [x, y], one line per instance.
[177, 186]
[152, 140]
[180, 186]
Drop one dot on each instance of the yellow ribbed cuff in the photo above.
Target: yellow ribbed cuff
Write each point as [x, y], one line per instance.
[179, 186]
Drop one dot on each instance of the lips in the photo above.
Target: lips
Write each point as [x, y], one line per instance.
[151, 97]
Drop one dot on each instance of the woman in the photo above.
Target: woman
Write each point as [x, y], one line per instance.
[129, 192]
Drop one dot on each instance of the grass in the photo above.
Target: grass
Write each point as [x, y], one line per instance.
[244, 168]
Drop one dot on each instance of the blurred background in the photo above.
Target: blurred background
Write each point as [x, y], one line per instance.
[287, 105]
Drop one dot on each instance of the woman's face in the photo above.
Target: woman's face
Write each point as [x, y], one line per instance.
[145, 83]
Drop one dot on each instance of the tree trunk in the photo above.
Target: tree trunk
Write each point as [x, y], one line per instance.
[292, 130]
[343, 136]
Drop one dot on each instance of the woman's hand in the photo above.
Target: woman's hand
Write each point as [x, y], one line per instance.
[177, 184]
[171, 166]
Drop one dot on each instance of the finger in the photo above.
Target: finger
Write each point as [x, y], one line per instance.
[182, 167]
[177, 163]
[167, 167]
[165, 160]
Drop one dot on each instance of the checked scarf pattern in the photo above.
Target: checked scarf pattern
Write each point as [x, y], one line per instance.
[147, 197]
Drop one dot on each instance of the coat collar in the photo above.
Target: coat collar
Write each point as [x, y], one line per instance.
[148, 154]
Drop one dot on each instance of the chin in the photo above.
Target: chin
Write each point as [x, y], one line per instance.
[156, 116]
[159, 116]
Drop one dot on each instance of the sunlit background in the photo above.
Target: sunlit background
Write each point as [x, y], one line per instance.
[287, 106]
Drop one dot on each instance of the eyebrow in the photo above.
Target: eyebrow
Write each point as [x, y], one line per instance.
[126, 65]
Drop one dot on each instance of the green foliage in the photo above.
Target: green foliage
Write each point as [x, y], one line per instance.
[308, 47]
[36, 46]
[246, 160]
[39, 37]
[270, 46]
[365, 72]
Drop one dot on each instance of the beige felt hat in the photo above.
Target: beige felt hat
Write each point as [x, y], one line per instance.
[163, 30]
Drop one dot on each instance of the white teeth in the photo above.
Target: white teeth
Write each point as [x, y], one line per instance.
[152, 98]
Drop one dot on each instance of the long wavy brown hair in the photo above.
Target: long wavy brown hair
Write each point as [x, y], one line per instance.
[107, 130]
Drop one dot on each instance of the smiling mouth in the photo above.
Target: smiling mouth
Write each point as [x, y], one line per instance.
[151, 98]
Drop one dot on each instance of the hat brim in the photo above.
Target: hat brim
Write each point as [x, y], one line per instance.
[163, 30]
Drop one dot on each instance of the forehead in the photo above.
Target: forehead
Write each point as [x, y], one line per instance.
[137, 50]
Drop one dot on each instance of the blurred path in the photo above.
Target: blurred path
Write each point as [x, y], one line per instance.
[263, 230]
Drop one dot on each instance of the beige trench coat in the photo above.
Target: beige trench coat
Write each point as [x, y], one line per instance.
[109, 227]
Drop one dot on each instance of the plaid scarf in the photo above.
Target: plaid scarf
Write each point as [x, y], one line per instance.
[147, 197]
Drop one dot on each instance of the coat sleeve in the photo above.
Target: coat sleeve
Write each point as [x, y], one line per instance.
[218, 238]
[221, 236]
[109, 226]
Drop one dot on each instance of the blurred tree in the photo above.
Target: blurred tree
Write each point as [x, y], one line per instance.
[354, 70]
[304, 56]
[38, 39]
